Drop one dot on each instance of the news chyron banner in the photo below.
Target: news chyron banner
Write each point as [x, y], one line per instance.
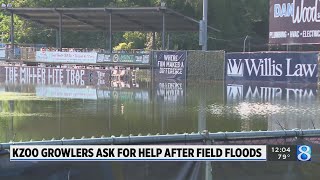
[170, 64]
[272, 66]
[139, 153]
[294, 22]
[161, 153]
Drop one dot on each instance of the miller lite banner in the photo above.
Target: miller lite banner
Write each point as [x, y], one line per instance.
[272, 66]
[294, 22]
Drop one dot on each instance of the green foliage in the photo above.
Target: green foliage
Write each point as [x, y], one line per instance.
[123, 46]
[235, 19]
[133, 40]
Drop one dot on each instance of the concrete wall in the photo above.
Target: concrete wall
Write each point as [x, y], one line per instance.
[207, 65]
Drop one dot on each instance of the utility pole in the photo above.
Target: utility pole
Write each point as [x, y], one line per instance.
[205, 23]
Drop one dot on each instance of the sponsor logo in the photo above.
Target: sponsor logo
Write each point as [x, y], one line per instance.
[304, 153]
[115, 58]
[300, 11]
[235, 68]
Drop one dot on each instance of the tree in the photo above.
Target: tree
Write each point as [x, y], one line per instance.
[123, 46]
[137, 39]
[235, 19]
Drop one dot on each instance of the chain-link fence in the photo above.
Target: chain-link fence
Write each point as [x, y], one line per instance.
[205, 65]
[254, 137]
[28, 53]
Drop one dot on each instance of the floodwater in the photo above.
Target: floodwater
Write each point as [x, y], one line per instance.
[144, 106]
[31, 111]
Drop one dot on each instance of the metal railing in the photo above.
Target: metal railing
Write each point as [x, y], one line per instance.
[172, 138]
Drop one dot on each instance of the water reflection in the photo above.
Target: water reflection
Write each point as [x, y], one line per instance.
[134, 104]
[171, 91]
[284, 106]
[121, 107]
[115, 106]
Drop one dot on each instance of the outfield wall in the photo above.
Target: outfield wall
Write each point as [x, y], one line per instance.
[289, 67]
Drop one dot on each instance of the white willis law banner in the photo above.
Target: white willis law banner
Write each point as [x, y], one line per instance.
[66, 57]
[293, 67]
[138, 152]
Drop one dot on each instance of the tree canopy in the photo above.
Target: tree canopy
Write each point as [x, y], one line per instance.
[235, 19]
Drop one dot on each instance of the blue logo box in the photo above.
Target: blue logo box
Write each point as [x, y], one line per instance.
[304, 153]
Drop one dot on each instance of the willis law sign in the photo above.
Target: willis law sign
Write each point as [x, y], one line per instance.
[267, 66]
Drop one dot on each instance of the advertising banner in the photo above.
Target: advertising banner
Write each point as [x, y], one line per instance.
[294, 22]
[66, 57]
[53, 76]
[124, 58]
[272, 66]
[170, 64]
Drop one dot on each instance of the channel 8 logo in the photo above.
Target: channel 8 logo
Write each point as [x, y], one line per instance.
[304, 153]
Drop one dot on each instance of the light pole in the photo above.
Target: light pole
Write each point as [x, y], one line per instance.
[205, 24]
[5, 6]
[244, 43]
